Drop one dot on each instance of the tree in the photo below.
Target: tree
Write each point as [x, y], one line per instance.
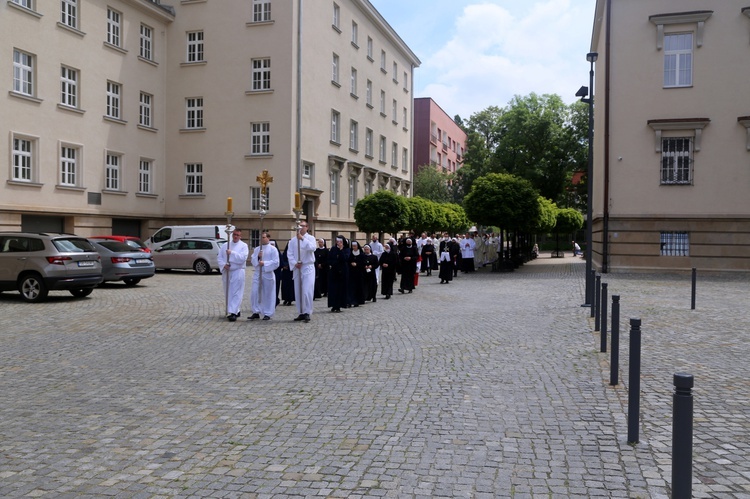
[569, 220]
[382, 211]
[431, 184]
[456, 221]
[547, 216]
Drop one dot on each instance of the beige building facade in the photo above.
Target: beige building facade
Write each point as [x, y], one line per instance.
[128, 115]
[671, 135]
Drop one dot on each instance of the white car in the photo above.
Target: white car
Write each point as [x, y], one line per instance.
[197, 254]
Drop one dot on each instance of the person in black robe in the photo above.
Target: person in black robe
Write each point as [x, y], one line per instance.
[370, 279]
[446, 266]
[321, 270]
[408, 265]
[287, 283]
[429, 258]
[356, 275]
[388, 265]
[277, 273]
[455, 251]
[338, 275]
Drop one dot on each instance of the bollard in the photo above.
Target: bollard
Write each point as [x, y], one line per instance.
[597, 298]
[604, 318]
[682, 437]
[634, 381]
[692, 295]
[615, 362]
[593, 305]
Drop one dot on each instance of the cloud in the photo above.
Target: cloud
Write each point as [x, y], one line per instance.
[496, 53]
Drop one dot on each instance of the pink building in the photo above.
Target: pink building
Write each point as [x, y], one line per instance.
[438, 141]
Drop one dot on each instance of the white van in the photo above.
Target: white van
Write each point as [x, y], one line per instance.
[172, 232]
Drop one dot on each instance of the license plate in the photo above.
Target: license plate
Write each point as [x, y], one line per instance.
[143, 260]
[86, 263]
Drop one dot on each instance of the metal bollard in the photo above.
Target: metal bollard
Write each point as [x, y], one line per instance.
[593, 305]
[615, 362]
[634, 381]
[604, 318]
[682, 437]
[597, 301]
[692, 294]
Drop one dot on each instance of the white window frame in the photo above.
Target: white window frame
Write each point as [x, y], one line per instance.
[193, 179]
[336, 22]
[382, 61]
[369, 93]
[406, 117]
[255, 198]
[145, 110]
[394, 155]
[26, 4]
[678, 62]
[335, 69]
[676, 161]
[260, 138]
[261, 11]
[382, 102]
[334, 187]
[369, 48]
[405, 159]
[112, 171]
[352, 190]
[146, 42]
[194, 113]
[335, 127]
[70, 159]
[195, 48]
[353, 83]
[145, 176]
[395, 72]
[307, 170]
[114, 27]
[406, 81]
[69, 13]
[114, 100]
[24, 76]
[69, 78]
[355, 34]
[368, 142]
[261, 74]
[381, 149]
[24, 163]
[394, 111]
[353, 135]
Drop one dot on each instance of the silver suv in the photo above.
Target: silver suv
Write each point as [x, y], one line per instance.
[35, 263]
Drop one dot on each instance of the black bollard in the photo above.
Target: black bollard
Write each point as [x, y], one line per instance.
[634, 381]
[692, 294]
[593, 305]
[597, 302]
[682, 437]
[615, 362]
[604, 318]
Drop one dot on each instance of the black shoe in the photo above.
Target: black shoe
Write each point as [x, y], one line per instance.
[374, 300]
[410, 291]
[336, 310]
[232, 317]
[401, 291]
[307, 318]
[253, 317]
[300, 317]
[266, 318]
[387, 297]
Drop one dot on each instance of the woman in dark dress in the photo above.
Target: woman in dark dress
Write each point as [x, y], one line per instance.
[446, 265]
[429, 258]
[356, 275]
[338, 275]
[388, 265]
[287, 283]
[321, 269]
[370, 279]
[408, 262]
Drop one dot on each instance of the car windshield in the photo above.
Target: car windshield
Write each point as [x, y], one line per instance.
[73, 245]
[116, 246]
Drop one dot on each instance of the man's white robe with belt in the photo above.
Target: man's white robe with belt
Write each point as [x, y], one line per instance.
[235, 273]
[263, 292]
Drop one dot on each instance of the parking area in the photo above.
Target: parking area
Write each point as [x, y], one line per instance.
[491, 386]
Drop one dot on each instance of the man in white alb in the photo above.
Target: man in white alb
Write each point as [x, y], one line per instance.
[265, 260]
[301, 254]
[232, 259]
[377, 250]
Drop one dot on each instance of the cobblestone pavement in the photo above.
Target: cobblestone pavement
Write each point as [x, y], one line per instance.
[491, 386]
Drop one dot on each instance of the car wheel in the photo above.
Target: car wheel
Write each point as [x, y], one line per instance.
[202, 267]
[81, 292]
[32, 288]
[131, 281]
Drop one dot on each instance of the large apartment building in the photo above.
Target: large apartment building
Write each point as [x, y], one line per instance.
[126, 115]
[438, 140]
[672, 135]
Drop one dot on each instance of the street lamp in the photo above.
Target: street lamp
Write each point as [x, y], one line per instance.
[583, 92]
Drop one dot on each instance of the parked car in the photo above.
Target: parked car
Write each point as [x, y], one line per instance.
[175, 232]
[197, 254]
[131, 241]
[120, 262]
[35, 263]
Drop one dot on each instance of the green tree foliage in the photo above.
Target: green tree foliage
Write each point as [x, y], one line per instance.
[456, 221]
[547, 216]
[503, 200]
[569, 220]
[425, 215]
[382, 211]
[432, 184]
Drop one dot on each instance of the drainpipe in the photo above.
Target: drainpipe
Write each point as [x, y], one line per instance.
[607, 80]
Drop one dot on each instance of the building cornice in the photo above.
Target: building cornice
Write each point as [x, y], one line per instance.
[697, 16]
[695, 124]
[378, 20]
[165, 13]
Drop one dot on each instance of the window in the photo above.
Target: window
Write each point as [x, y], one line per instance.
[355, 34]
[194, 178]
[406, 116]
[381, 151]
[260, 138]
[145, 173]
[24, 3]
[146, 43]
[405, 159]
[353, 89]
[334, 187]
[676, 160]
[395, 72]
[394, 155]
[114, 26]
[354, 136]
[678, 60]
[307, 170]
[336, 17]
[68, 166]
[261, 11]
[369, 48]
[406, 81]
[145, 110]
[112, 172]
[114, 90]
[352, 190]
[335, 127]
[23, 159]
[674, 244]
[195, 46]
[382, 102]
[335, 69]
[369, 93]
[261, 74]
[194, 112]
[382, 61]
[368, 143]
[257, 202]
[23, 73]
[68, 87]
[69, 13]
[394, 111]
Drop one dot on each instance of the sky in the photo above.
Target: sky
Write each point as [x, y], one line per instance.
[481, 53]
